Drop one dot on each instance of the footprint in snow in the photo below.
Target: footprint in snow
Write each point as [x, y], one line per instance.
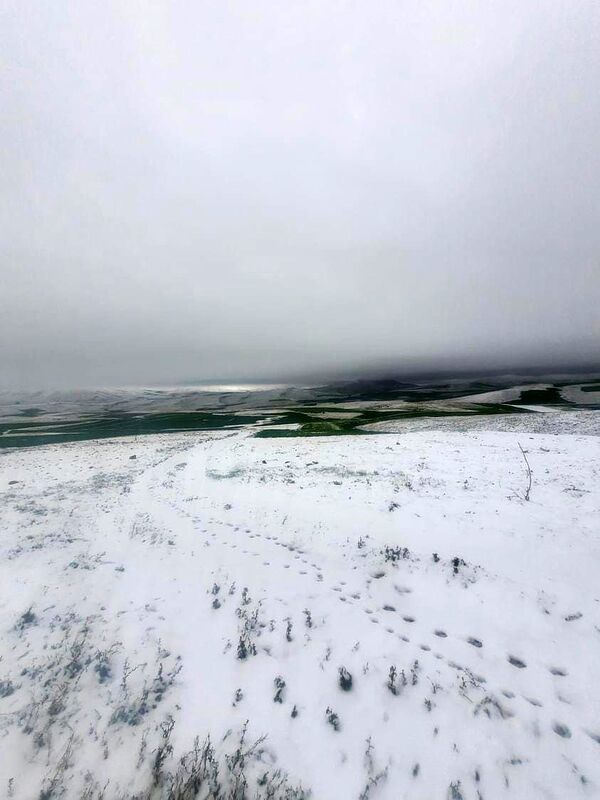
[558, 671]
[474, 642]
[534, 702]
[561, 730]
[516, 662]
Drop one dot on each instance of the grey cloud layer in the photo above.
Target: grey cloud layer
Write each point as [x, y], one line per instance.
[224, 189]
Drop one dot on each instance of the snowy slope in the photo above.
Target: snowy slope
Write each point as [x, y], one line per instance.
[548, 421]
[389, 611]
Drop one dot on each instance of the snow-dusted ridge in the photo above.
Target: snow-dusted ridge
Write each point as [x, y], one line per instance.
[389, 611]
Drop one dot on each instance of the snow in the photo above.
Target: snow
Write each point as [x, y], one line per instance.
[408, 550]
[538, 409]
[576, 394]
[580, 422]
[508, 395]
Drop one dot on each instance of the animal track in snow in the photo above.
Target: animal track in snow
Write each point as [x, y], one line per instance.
[516, 662]
[561, 730]
[534, 702]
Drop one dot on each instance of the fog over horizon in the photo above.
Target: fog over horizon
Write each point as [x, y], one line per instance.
[222, 190]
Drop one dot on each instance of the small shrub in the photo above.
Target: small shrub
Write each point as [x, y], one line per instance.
[279, 686]
[26, 620]
[345, 679]
[163, 751]
[415, 669]
[333, 719]
[395, 554]
[102, 665]
[392, 682]
[6, 688]
[454, 792]
[457, 563]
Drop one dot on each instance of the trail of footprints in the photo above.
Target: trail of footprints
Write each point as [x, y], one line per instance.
[559, 728]
[298, 553]
[518, 663]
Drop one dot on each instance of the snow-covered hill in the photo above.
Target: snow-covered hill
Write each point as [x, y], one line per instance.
[389, 611]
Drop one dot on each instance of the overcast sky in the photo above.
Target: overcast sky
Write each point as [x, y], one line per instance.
[198, 190]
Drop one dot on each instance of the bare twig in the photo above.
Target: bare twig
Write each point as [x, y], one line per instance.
[529, 473]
